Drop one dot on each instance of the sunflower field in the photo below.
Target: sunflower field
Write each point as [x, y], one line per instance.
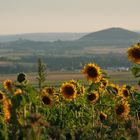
[91, 109]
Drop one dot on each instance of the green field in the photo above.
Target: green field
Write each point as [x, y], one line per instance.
[57, 78]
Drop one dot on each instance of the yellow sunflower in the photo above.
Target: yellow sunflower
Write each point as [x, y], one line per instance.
[103, 116]
[124, 92]
[68, 91]
[46, 100]
[8, 85]
[2, 96]
[134, 53]
[115, 88]
[93, 97]
[122, 110]
[7, 109]
[49, 90]
[104, 83]
[18, 92]
[92, 72]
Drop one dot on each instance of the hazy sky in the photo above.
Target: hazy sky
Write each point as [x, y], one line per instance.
[21, 16]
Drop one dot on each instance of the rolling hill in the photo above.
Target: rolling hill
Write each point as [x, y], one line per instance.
[106, 47]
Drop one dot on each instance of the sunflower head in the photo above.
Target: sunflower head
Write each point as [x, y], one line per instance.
[115, 88]
[18, 92]
[122, 110]
[46, 100]
[124, 93]
[2, 96]
[92, 72]
[8, 85]
[49, 91]
[103, 116]
[22, 78]
[68, 91]
[93, 97]
[7, 109]
[134, 53]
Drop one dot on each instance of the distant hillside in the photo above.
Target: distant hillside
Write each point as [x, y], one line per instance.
[107, 48]
[42, 36]
[108, 39]
[111, 34]
[117, 37]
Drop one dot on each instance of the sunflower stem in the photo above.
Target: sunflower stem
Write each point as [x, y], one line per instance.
[133, 98]
[93, 122]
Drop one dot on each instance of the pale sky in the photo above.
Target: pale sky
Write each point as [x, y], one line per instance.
[29, 16]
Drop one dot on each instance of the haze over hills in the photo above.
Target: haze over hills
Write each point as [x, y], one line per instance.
[106, 47]
[106, 34]
[42, 36]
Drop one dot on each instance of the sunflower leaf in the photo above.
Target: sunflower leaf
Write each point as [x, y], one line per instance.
[136, 71]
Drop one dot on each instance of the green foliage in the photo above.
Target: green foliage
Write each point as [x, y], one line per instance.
[110, 113]
[136, 71]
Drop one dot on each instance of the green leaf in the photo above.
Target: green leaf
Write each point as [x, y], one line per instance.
[136, 71]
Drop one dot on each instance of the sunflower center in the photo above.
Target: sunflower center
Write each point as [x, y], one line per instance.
[91, 97]
[1, 96]
[125, 93]
[46, 100]
[69, 90]
[92, 72]
[136, 53]
[120, 109]
[21, 77]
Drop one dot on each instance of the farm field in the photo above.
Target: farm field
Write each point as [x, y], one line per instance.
[57, 78]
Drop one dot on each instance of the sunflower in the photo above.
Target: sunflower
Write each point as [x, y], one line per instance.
[18, 92]
[115, 88]
[104, 83]
[103, 116]
[92, 72]
[122, 110]
[7, 109]
[124, 93]
[49, 91]
[21, 77]
[93, 97]
[68, 91]
[134, 53]
[46, 100]
[2, 96]
[8, 85]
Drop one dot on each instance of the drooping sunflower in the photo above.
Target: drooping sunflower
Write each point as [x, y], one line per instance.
[124, 92]
[7, 109]
[8, 85]
[93, 97]
[49, 91]
[103, 116]
[68, 90]
[2, 96]
[46, 100]
[122, 110]
[92, 72]
[134, 53]
[115, 88]
[18, 92]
